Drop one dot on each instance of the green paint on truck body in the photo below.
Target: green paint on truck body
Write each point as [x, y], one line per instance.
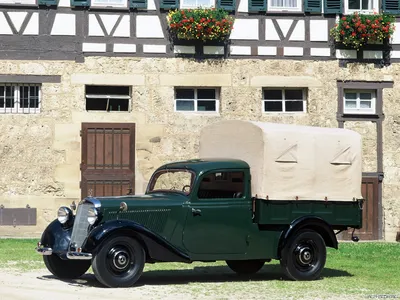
[226, 228]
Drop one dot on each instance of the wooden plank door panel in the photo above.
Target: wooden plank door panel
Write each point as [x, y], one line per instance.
[108, 159]
[369, 230]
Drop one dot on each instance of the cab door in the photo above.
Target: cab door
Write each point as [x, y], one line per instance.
[219, 214]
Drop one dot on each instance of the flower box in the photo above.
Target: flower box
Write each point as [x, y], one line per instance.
[358, 30]
[206, 25]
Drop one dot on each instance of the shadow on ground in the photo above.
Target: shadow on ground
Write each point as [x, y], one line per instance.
[218, 274]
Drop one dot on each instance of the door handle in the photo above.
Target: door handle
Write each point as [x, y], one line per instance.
[196, 212]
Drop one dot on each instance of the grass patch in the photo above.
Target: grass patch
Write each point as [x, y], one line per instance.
[355, 270]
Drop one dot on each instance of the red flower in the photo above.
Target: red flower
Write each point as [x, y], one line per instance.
[344, 18]
[353, 34]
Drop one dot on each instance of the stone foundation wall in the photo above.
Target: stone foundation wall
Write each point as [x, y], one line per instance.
[40, 154]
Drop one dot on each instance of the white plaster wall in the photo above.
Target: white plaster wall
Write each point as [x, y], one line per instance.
[94, 26]
[32, 28]
[396, 34]
[292, 51]
[151, 5]
[243, 6]
[109, 21]
[318, 30]
[284, 25]
[148, 27]
[17, 18]
[154, 48]
[64, 3]
[245, 29]
[64, 24]
[93, 47]
[240, 50]
[270, 31]
[265, 50]
[125, 48]
[298, 33]
[4, 28]
[320, 52]
[123, 29]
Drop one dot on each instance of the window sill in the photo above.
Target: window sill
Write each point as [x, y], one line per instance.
[106, 112]
[300, 113]
[198, 114]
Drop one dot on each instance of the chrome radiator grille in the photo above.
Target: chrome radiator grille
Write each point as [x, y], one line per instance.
[81, 225]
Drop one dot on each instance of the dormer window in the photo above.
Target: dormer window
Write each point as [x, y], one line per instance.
[197, 3]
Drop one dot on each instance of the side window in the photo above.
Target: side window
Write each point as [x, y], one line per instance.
[219, 185]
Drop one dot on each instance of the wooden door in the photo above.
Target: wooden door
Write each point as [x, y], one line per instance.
[370, 229]
[108, 159]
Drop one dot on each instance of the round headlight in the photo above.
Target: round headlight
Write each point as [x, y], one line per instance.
[63, 214]
[92, 215]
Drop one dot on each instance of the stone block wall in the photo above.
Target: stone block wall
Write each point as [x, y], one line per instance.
[40, 153]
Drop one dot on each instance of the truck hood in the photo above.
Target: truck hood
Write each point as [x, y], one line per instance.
[147, 200]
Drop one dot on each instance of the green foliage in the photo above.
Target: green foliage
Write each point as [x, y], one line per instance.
[357, 30]
[200, 24]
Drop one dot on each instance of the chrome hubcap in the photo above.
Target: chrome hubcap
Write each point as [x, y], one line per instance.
[305, 255]
[120, 259]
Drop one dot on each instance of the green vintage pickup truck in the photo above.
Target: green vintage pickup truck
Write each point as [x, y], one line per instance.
[257, 192]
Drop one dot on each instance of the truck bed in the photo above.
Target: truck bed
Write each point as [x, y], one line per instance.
[339, 214]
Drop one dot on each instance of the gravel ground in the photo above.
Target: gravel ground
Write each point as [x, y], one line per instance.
[40, 284]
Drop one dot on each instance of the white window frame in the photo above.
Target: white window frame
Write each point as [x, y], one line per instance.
[20, 2]
[217, 96]
[374, 3]
[17, 109]
[304, 95]
[112, 3]
[108, 97]
[358, 110]
[183, 5]
[299, 8]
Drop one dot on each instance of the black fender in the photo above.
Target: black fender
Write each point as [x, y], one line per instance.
[310, 222]
[57, 237]
[156, 247]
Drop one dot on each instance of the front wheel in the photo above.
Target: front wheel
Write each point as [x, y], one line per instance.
[65, 269]
[304, 256]
[119, 262]
[245, 267]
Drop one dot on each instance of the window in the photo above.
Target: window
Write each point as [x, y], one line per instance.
[359, 5]
[197, 3]
[26, 2]
[107, 98]
[222, 185]
[197, 100]
[20, 98]
[172, 180]
[111, 3]
[284, 100]
[359, 101]
[281, 5]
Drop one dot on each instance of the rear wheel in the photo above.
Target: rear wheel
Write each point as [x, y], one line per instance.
[119, 262]
[65, 269]
[245, 267]
[304, 256]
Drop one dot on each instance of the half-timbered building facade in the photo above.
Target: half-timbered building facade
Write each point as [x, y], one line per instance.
[95, 94]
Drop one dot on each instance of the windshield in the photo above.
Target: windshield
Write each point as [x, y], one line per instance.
[172, 180]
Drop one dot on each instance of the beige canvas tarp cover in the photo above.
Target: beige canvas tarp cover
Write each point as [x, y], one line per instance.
[289, 161]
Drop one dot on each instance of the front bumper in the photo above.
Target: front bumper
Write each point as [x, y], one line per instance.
[44, 250]
[73, 255]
